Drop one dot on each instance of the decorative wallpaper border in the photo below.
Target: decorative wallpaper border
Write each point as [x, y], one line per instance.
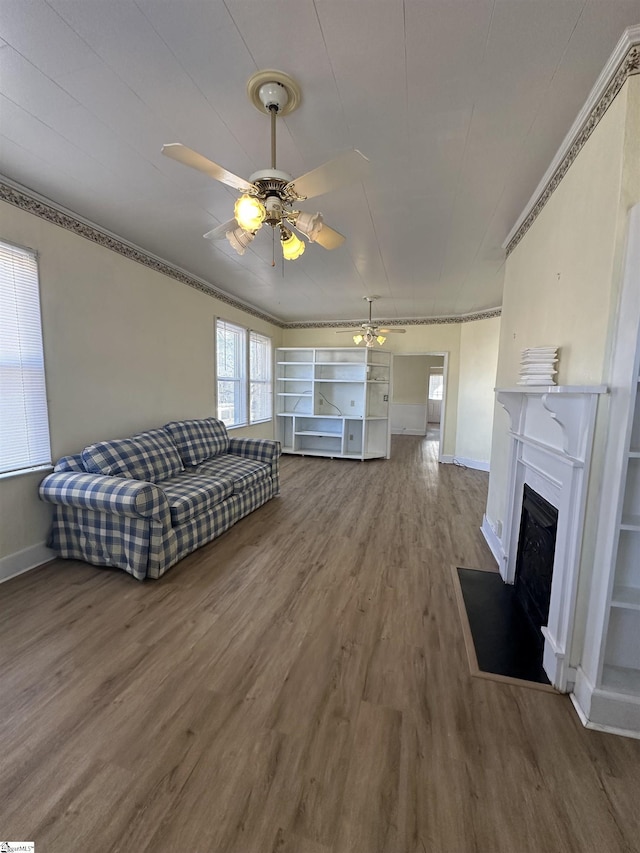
[629, 66]
[22, 199]
[30, 204]
[424, 321]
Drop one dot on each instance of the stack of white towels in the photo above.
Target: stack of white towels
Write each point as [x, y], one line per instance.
[537, 366]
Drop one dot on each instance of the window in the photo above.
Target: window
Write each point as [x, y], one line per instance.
[24, 425]
[243, 374]
[436, 386]
[231, 360]
[260, 398]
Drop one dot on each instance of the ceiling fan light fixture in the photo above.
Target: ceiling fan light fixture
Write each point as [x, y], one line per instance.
[309, 224]
[240, 239]
[292, 247]
[250, 212]
[381, 339]
[357, 339]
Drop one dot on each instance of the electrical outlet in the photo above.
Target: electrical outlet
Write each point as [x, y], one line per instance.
[320, 401]
[386, 398]
[353, 402]
[350, 436]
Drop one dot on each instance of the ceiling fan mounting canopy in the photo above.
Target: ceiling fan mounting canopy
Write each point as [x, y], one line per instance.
[271, 88]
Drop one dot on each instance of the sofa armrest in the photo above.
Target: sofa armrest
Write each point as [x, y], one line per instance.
[260, 449]
[114, 495]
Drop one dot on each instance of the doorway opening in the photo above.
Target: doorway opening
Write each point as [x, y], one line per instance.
[418, 403]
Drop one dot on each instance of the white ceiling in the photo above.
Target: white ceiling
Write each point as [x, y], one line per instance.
[459, 104]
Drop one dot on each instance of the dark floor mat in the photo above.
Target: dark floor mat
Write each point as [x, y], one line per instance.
[505, 642]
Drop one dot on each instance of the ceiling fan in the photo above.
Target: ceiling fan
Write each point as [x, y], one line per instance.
[270, 195]
[370, 334]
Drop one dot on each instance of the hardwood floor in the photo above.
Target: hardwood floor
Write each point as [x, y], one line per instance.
[300, 686]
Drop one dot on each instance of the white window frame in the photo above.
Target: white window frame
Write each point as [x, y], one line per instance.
[244, 378]
[25, 444]
[260, 382]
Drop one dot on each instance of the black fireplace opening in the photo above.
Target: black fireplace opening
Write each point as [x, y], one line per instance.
[534, 561]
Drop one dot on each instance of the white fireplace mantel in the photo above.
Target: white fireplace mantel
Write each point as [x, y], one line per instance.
[551, 438]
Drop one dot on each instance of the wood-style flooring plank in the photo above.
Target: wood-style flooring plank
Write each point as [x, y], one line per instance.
[300, 685]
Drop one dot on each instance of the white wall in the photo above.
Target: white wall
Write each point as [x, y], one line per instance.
[126, 349]
[562, 279]
[410, 378]
[561, 288]
[478, 363]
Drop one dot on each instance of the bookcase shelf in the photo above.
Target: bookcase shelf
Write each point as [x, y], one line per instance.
[333, 401]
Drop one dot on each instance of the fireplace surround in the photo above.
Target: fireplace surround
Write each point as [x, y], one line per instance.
[550, 444]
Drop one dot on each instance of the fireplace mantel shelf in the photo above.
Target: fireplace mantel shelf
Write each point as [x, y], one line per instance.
[554, 389]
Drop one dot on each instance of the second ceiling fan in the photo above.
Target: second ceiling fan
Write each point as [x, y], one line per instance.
[371, 333]
[269, 196]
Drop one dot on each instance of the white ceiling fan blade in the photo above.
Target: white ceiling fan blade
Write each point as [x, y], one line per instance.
[344, 169]
[348, 331]
[391, 331]
[220, 231]
[191, 158]
[328, 238]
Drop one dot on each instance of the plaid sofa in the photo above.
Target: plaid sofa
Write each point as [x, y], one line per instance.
[145, 502]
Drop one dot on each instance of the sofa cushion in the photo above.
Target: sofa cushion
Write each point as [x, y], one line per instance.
[161, 452]
[198, 440]
[147, 456]
[190, 494]
[70, 463]
[122, 457]
[244, 473]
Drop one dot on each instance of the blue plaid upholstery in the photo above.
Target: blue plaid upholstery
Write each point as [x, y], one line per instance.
[189, 495]
[149, 456]
[198, 531]
[120, 458]
[252, 498]
[130, 504]
[106, 494]
[262, 450]
[103, 539]
[70, 463]
[161, 454]
[198, 440]
[163, 551]
[242, 473]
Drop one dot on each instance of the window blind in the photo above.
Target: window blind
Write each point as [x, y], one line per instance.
[24, 424]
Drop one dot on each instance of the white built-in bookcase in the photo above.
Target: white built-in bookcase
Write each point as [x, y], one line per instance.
[333, 401]
[607, 690]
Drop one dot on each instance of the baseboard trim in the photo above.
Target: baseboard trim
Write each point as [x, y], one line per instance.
[445, 459]
[400, 431]
[25, 560]
[605, 711]
[471, 463]
[495, 545]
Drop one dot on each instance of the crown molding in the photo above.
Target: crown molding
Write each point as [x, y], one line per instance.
[414, 321]
[31, 202]
[623, 63]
